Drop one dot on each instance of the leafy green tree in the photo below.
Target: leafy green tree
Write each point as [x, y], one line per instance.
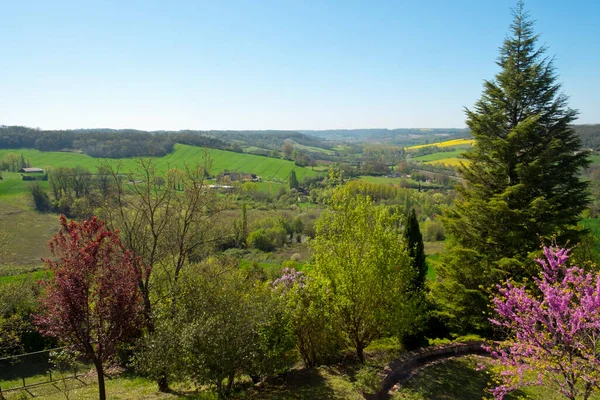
[521, 179]
[41, 200]
[240, 228]
[360, 257]
[223, 325]
[162, 226]
[310, 316]
[11, 162]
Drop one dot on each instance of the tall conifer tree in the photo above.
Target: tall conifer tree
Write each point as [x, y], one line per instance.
[521, 178]
[416, 250]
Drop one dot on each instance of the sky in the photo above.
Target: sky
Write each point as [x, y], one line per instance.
[283, 64]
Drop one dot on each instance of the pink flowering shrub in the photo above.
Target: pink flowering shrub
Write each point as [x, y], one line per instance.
[554, 331]
[289, 277]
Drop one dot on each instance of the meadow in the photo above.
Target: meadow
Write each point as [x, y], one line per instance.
[450, 162]
[383, 180]
[438, 156]
[269, 169]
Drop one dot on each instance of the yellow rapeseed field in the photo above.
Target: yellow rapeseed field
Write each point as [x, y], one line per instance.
[448, 143]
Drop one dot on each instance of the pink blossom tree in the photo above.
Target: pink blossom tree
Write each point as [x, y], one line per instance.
[92, 300]
[554, 329]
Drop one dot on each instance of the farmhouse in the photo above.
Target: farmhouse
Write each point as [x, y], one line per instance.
[31, 170]
[237, 177]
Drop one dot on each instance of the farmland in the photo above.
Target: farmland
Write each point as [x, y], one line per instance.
[451, 162]
[439, 156]
[461, 143]
[269, 169]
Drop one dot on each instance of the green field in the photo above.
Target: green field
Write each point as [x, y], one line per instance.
[382, 180]
[313, 149]
[439, 156]
[595, 160]
[269, 169]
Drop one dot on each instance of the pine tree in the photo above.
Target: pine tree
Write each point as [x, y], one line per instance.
[521, 178]
[416, 250]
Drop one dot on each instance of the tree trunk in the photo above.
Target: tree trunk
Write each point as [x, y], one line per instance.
[100, 372]
[230, 380]
[360, 353]
[163, 383]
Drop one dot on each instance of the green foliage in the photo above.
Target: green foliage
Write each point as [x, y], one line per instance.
[222, 325]
[433, 231]
[368, 380]
[12, 162]
[18, 300]
[416, 250]
[414, 338]
[521, 183]
[240, 228]
[41, 200]
[360, 258]
[293, 180]
[259, 239]
[311, 318]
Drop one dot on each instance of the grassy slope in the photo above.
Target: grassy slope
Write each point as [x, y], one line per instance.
[438, 156]
[458, 379]
[28, 236]
[595, 160]
[455, 378]
[270, 169]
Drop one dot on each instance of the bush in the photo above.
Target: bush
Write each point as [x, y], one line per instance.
[368, 380]
[40, 198]
[259, 240]
[433, 231]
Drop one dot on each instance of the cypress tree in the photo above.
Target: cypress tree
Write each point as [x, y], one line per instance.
[416, 250]
[521, 179]
[293, 180]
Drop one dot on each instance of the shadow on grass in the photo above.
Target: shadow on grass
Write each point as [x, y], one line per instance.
[296, 384]
[12, 374]
[451, 379]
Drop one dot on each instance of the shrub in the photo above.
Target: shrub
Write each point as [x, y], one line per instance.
[368, 380]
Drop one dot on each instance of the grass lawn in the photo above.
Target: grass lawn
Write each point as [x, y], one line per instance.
[432, 257]
[335, 382]
[593, 224]
[457, 378]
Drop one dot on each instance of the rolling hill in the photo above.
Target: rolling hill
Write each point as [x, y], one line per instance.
[269, 169]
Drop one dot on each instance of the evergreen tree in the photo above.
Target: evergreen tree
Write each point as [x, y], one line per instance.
[415, 338]
[416, 250]
[293, 180]
[521, 178]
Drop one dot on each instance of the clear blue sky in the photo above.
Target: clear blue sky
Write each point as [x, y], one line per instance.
[283, 64]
